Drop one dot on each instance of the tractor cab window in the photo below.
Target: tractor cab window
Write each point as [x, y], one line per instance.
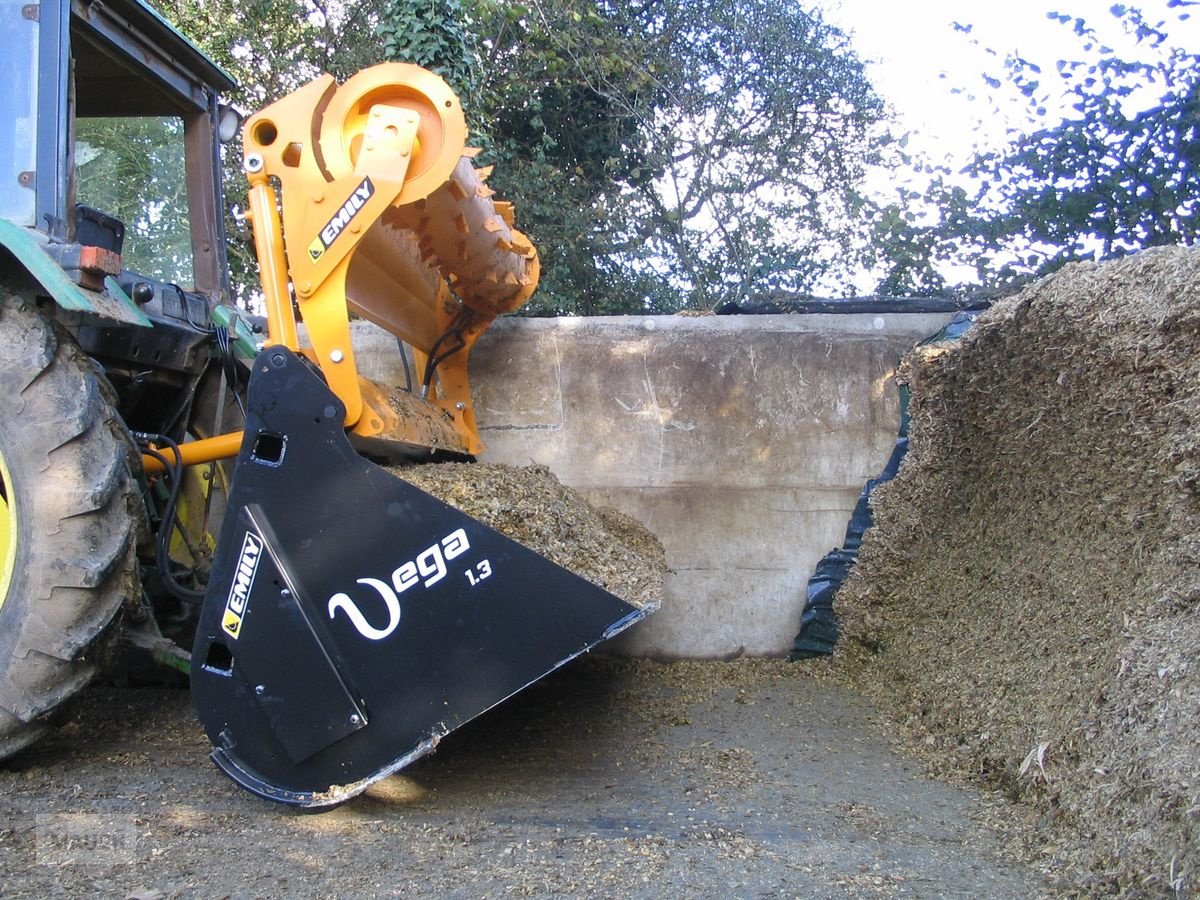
[18, 109]
[133, 168]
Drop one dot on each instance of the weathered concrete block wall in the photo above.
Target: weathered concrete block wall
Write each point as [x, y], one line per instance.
[741, 441]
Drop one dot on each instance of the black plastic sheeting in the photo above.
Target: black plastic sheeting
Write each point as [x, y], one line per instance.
[818, 622]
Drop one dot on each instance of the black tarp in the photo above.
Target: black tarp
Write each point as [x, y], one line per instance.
[818, 622]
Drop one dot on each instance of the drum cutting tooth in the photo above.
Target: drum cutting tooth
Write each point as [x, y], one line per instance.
[504, 244]
[483, 192]
[485, 172]
[456, 189]
[505, 211]
[472, 152]
[491, 225]
[461, 223]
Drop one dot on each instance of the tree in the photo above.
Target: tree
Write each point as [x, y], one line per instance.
[564, 89]
[758, 150]
[668, 152]
[660, 153]
[1118, 173]
[694, 153]
[270, 48]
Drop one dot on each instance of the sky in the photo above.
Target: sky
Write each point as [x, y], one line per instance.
[916, 56]
[912, 43]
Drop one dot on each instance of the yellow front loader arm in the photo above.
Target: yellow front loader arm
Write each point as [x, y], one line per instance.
[364, 200]
[384, 216]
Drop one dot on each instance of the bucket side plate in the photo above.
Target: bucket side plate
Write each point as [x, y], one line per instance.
[353, 620]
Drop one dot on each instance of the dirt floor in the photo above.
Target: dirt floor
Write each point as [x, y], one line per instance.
[610, 778]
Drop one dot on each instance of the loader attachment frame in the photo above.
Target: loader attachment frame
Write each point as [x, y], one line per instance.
[382, 214]
[364, 200]
[354, 620]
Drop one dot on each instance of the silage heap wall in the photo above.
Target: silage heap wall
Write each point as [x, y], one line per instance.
[1027, 606]
[742, 442]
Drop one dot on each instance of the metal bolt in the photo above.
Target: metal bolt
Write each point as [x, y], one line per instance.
[277, 360]
[254, 163]
[285, 593]
[460, 405]
[318, 197]
[354, 719]
[337, 356]
[260, 689]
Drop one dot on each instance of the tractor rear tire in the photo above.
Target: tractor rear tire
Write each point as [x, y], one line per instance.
[69, 521]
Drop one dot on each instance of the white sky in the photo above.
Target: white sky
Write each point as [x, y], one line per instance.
[910, 43]
[915, 57]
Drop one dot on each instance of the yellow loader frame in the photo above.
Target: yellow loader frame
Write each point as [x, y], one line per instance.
[364, 200]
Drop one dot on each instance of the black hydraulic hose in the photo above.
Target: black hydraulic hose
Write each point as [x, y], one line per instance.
[229, 364]
[167, 522]
[408, 375]
[435, 360]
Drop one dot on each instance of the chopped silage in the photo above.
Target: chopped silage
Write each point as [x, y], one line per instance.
[1027, 606]
[531, 506]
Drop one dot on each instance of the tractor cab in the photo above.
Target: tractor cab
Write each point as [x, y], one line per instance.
[115, 143]
[110, 188]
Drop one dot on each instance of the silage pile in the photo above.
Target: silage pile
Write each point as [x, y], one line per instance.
[1027, 607]
[531, 506]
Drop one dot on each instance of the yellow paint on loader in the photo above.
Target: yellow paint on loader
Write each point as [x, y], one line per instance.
[364, 201]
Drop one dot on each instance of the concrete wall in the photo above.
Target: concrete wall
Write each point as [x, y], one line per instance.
[741, 441]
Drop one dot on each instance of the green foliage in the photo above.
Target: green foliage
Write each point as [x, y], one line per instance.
[133, 168]
[563, 89]
[677, 152]
[1117, 176]
[433, 34]
[770, 125]
[1118, 173]
[660, 153]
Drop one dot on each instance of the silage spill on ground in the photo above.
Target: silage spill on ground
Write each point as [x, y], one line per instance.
[610, 778]
[1026, 607]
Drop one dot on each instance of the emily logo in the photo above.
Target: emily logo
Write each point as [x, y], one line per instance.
[337, 224]
[243, 580]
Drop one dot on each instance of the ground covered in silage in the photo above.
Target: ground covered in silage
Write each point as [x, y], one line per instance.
[1027, 607]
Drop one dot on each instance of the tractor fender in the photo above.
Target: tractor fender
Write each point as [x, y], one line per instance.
[29, 249]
